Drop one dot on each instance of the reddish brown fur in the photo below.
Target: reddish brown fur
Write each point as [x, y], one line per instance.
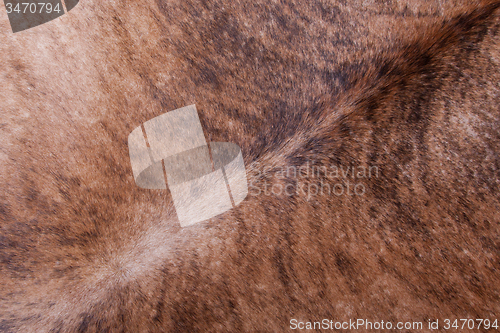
[410, 87]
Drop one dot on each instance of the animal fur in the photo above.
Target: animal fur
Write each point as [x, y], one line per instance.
[410, 88]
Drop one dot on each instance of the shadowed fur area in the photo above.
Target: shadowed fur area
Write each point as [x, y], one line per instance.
[406, 90]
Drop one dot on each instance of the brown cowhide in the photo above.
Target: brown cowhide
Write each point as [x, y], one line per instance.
[408, 89]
